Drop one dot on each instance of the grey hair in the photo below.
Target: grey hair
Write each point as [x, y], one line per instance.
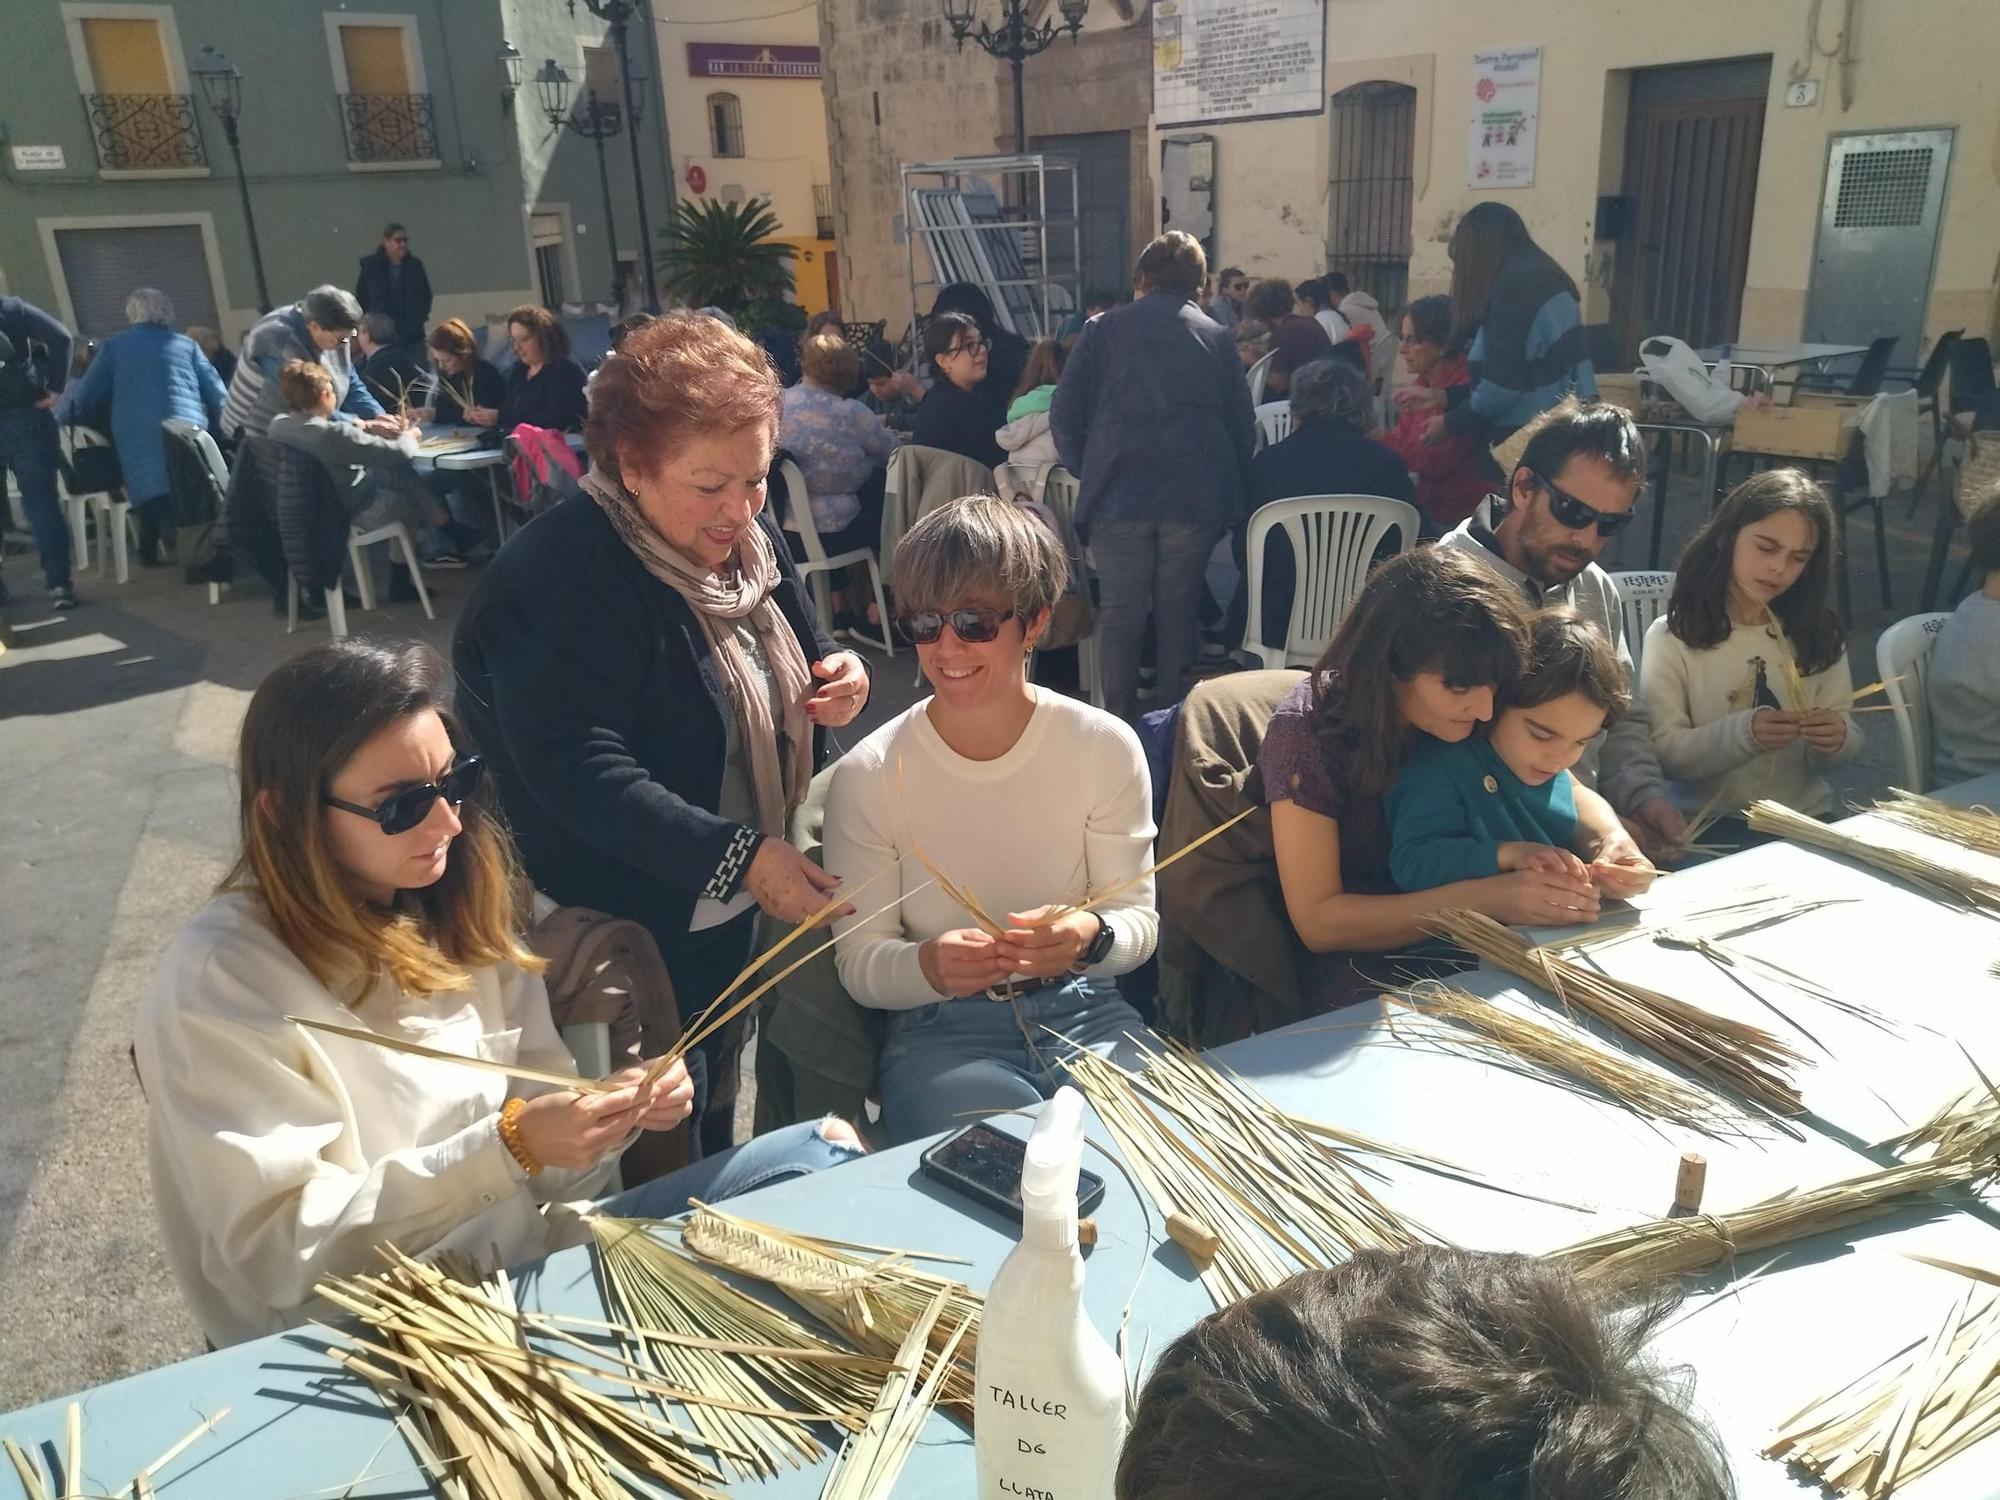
[976, 549]
[332, 309]
[1330, 393]
[148, 304]
[718, 314]
[381, 328]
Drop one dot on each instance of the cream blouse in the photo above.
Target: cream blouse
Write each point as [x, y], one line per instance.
[281, 1156]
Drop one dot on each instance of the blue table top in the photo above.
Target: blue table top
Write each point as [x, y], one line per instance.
[298, 1425]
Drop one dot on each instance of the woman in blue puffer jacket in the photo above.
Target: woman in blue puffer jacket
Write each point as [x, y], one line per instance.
[144, 376]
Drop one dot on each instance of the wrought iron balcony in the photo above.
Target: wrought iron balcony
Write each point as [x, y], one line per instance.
[145, 132]
[388, 127]
[823, 209]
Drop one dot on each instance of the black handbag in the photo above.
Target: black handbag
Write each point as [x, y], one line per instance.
[92, 471]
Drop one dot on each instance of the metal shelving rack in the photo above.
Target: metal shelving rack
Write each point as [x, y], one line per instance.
[985, 219]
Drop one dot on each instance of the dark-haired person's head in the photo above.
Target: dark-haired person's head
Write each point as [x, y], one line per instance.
[956, 348]
[1332, 393]
[1336, 286]
[1572, 687]
[1100, 299]
[395, 241]
[1982, 533]
[624, 328]
[1425, 1374]
[1572, 489]
[1489, 235]
[1309, 296]
[1431, 641]
[964, 297]
[1270, 301]
[1175, 263]
[1426, 334]
[1234, 285]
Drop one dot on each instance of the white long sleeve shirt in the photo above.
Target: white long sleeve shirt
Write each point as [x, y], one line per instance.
[1700, 704]
[1066, 812]
[281, 1156]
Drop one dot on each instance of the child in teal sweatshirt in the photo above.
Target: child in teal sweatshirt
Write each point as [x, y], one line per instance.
[1505, 800]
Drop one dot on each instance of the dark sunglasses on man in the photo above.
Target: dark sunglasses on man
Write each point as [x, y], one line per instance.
[1576, 514]
[973, 626]
[409, 807]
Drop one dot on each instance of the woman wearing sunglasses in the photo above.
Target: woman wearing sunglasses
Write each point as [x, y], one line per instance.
[1029, 801]
[371, 891]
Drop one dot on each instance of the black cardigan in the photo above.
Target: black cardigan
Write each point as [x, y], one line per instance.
[961, 422]
[553, 398]
[591, 689]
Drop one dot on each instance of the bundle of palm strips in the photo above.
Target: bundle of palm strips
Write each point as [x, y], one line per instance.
[1735, 1055]
[1955, 885]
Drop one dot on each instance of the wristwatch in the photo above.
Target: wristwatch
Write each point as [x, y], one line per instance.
[1098, 948]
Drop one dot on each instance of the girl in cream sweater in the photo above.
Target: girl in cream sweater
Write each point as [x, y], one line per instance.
[1745, 677]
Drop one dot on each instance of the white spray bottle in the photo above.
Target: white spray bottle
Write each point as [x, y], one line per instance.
[1049, 1415]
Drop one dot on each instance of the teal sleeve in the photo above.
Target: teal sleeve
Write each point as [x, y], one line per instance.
[1432, 841]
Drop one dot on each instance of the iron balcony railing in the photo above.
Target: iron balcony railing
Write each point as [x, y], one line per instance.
[388, 127]
[145, 132]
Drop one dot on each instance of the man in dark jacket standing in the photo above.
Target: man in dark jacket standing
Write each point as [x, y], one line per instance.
[392, 281]
[34, 365]
[1153, 416]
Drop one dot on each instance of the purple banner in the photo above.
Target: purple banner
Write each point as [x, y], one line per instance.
[751, 60]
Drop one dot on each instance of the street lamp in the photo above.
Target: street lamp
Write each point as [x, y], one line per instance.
[620, 13]
[222, 85]
[594, 120]
[1015, 39]
[508, 58]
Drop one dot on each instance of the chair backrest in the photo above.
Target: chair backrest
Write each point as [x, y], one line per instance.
[1382, 357]
[205, 444]
[1274, 421]
[1904, 651]
[1971, 373]
[799, 511]
[1868, 379]
[1257, 373]
[1335, 539]
[1642, 597]
[1931, 375]
[589, 338]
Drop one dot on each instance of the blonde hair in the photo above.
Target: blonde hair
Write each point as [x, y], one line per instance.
[829, 360]
[305, 722]
[304, 384]
[980, 548]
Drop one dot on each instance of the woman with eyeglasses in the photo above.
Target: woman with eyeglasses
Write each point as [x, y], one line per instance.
[651, 680]
[373, 890]
[957, 415]
[1030, 801]
[544, 386]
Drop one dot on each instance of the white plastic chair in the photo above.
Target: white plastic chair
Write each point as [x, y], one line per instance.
[814, 570]
[1642, 598]
[396, 534]
[336, 608]
[113, 512]
[1904, 650]
[1274, 422]
[1059, 495]
[1334, 539]
[1257, 373]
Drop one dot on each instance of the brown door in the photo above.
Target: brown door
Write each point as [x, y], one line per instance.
[1682, 271]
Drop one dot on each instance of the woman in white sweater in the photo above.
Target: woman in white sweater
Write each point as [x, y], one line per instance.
[373, 892]
[1028, 800]
[1745, 677]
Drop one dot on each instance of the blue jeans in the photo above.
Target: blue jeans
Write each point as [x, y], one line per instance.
[28, 447]
[775, 1156]
[945, 1064]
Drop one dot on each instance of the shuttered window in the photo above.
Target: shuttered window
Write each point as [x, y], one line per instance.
[101, 267]
[376, 62]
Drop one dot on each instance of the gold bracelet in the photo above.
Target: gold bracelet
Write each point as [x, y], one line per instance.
[510, 1136]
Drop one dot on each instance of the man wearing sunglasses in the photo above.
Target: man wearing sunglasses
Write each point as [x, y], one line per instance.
[1572, 490]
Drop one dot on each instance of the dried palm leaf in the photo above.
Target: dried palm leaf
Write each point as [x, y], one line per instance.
[482, 1064]
[1153, 869]
[1969, 827]
[1733, 1054]
[1924, 1404]
[1964, 889]
[1971, 1117]
[28, 1470]
[1569, 1055]
[872, 1459]
[871, 1299]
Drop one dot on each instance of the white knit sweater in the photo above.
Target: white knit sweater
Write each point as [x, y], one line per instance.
[281, 1156]
[1067, 811]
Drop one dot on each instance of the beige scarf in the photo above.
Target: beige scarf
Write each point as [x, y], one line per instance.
[780, 754]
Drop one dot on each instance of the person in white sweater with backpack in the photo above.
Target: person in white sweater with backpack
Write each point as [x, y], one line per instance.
[1032, 803]
[1745, 677]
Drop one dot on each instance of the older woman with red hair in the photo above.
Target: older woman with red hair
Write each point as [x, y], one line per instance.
[647, 678]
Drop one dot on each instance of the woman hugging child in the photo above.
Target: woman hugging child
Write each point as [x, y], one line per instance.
[1505, 800]
[1745, 676]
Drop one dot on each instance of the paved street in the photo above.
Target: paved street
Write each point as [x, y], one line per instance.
[117, 813]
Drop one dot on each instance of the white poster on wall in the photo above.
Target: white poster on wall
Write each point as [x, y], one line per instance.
[1217, 60]
[1506, 102]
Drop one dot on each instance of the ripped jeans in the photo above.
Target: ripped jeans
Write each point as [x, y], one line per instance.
[777, 1156]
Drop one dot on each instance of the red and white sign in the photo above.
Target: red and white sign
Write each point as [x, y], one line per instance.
[697, 179]
[1506, 101]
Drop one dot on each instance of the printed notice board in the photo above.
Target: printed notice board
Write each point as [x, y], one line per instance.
[1506, 101]
[1217, 60]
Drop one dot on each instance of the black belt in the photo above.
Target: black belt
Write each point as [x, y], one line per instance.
[1017, 989]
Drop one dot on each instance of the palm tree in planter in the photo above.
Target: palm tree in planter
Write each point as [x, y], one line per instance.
[723, 254]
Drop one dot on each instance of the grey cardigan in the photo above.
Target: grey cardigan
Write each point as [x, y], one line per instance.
[1153, 416]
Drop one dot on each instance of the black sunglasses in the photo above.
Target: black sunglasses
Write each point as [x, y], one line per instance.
[408, 808]
[1575, 514]
[973, 626]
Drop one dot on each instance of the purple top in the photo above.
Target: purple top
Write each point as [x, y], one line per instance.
[1296, 766]
[836, 444]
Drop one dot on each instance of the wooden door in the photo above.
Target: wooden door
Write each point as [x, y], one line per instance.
[1696, 189]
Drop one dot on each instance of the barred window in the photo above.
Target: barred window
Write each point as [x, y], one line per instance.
[725, 124]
